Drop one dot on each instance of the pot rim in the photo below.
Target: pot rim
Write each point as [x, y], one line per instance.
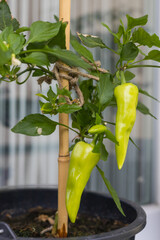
[125, 232]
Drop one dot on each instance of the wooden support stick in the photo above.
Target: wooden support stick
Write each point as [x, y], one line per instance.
[63, 160]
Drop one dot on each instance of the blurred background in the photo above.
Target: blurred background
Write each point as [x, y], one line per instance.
[33, 160]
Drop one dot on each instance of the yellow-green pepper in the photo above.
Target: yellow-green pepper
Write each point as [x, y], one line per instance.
[127, 98]
[82, 162]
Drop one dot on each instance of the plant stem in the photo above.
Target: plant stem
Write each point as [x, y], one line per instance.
[141, 65]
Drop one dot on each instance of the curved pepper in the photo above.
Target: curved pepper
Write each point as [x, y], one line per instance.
[82, 162]
[127, 98]
[97, 129]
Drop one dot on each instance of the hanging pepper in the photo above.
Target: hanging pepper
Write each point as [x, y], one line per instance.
[127, 98]
[82, 162]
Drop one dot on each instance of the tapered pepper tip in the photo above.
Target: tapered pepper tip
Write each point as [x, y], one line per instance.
[120, 166]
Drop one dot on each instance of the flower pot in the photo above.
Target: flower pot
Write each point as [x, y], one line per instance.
[21, 200]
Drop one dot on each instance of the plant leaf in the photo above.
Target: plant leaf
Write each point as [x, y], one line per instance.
[91, 41]
[129, 75]
[144, 38]
[22, 29]
[143, 109]
[153, 55]
[111, 191]
[35, 125]
[5, 54]
[147, 94]
[37, 58]
[6, 18]
[16, 42]
[134, 143]
[69, 58]
[43, 31]
[103, 152]
[133, 22]
[66, 108]
[81, 50]
[111, 137]
[105, 88]
[60, 38]
[98, 119]
[114, 34]
[129, 52]
[51, 95]
[63, 92]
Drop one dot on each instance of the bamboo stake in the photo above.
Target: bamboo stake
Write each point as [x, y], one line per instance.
[63, 160]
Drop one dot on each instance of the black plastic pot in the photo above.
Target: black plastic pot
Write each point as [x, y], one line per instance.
[22, 199]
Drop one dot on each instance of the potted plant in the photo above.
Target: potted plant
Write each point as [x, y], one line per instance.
[45, 54]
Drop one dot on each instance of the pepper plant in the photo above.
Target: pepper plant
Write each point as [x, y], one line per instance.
[43, 54]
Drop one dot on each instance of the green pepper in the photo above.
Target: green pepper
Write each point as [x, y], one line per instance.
[82, 162]
[127, 98]
[97, 129]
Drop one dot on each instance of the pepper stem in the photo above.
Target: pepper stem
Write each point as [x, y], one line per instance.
[93, 143]
[123, 80]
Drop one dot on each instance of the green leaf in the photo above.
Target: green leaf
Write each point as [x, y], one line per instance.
[129, 75]
[42, 96]
[69, 58]
[134, 143]
[81, 50]
[63, 92]
[87, 88]
[153, 55]
[147, 94]
[84, 118]
[6, 17]
[111, 137]
[22, 29]
[104, 153]
[143, 109]
[35, 125]
[5, 54]
[98, 119]
[91, 41]
[15, 24]
[133, 22]
[144, 38]
[16, 42]
[105, 88]
[111, 191]
[66, 108]
[47, 108]
[60, 38]
[37, 73]
[129, 51]
[51, 95]
[114, 34]
[43, 31]
[37, 58]
[97, 147]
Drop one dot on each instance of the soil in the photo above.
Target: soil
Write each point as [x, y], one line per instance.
[38, 221]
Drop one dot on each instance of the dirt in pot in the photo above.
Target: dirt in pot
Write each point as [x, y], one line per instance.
[37, 222]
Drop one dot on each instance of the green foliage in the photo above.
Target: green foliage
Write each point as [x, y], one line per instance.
[6, 17]
[134, 22]
[129, 51]
[105, 89]
[46, 45]
[91, 41]
[43, 31]
[111, 191]
[37, 58]
[81, 50]
[35, 125]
